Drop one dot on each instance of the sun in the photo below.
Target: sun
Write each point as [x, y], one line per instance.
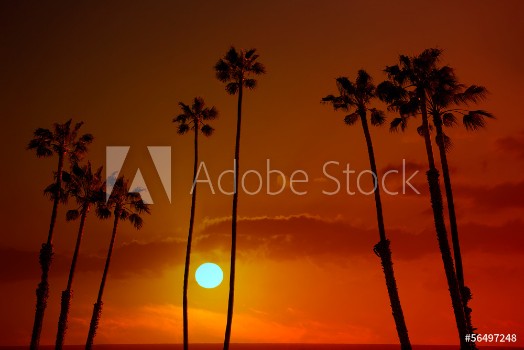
[209, 275]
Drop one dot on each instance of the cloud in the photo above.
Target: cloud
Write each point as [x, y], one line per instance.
[494, 198]
[512, 144]
[133, 258]
[276, 238]
[303, 236]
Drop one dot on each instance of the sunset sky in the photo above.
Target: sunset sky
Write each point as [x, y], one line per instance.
[306, 269]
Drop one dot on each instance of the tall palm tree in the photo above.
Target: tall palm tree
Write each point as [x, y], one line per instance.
[406, 91]
[64, 141]
[193, 118]
[236, 69]
[355, 98]
[447, 99]
[123, 205]
[87, 188]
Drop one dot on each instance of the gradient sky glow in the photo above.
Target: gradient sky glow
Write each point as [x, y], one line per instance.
[306, 270]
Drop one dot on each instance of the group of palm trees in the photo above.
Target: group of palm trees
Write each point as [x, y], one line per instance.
[417, 85]
[237, 69]
[87, 187]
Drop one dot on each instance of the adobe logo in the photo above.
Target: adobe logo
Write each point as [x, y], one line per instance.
[161, 156]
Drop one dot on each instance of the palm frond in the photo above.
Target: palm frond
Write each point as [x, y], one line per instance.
[233, 56]
[389, 92]
[250, 84]
[422, 131]
[364, 82]
[72, 215]
[207, 130]
[222, 71]
[473, 94]
[41, 142]
[449, 119]
[378, 117]
[51, 190]
[398, 124]
[136, 220]
[198, 105]
[345, 86]
[182, 128]
[103, 211]
[258, 68]
[210, 113]
[181, 118]
[232, 88]
[351, 119]
[475, 120]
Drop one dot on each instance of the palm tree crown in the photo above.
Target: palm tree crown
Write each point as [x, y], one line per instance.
[195, 116]
[123, 204]
[356, 96]
[236, 68]
[63, 139]
[86, 187]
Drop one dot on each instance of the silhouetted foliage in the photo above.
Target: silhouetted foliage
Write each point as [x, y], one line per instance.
[192, 118]
[122, 205]
[64, 141]
[354, 98]
[408, 91]
[236, 70]
[87, 187]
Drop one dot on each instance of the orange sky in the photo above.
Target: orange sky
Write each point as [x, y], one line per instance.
[306, 270]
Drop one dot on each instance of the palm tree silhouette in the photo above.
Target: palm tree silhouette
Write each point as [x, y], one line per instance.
[64, 141]
[406, 91]
[193, 118]
[123, 205]
[236, 69]
[355, 98]
[446, 100]
[87, 188]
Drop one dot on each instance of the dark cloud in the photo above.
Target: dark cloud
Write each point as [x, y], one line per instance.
[493, 198]
[280, 238]
[301, 236]
[512, 144]
[132, 258]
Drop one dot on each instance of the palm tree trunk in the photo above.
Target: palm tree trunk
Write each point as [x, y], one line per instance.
[189, 240]
[231, 298]
[384, 252]
[45, 259]
[97, 309]
[442, 236]
[68, 293]
[465, 291]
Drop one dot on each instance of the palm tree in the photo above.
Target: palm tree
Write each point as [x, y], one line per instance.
[64, 141]
[355, 98]
[445, 101]
[236, 69]
[123, 205]
[193, 118]
[406, 91]
[87, 188]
